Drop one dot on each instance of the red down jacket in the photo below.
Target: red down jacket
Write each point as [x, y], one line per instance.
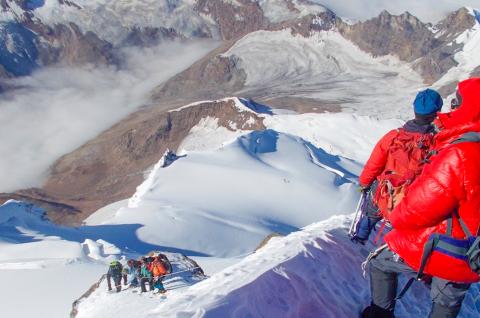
[451, 180]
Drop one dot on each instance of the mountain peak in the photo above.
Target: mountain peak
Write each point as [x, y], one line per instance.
[456, 23]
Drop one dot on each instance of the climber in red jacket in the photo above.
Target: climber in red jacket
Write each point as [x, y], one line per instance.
[394, 163]
[438, 219]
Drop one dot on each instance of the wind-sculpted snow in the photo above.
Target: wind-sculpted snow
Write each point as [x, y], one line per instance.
[261, 183]
[315, 272]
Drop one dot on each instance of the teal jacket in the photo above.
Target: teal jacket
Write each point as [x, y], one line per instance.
[144, 272]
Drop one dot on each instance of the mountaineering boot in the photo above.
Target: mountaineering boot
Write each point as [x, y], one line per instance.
[373, 311]
[439, 311]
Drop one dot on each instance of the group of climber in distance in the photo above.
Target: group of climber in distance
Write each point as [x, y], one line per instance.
[420, 191]
[149, 270]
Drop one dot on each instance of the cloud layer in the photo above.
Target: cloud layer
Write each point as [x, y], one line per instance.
[425, 10]
[59, 109]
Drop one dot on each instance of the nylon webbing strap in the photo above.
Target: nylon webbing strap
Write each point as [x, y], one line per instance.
[463, 225]
[449, 226]
[405, 288]
[427, 250]
[454, 248]
[473, 255]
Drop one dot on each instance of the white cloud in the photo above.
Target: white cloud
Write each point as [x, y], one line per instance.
[59, 109]
[425, 10]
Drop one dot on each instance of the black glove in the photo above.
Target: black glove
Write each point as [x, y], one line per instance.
[363, 189]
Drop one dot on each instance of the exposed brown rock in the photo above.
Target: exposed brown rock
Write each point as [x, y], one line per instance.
[212, 77]
[232, 20]
[66, 44]
[455, 24]
[435, 64]
[403, 35]
[110, 167]
[266, 240]
[323, 21]
[431, 54]
[57, 212]
[76, 303]
[216, 76]
[148, 37]
[448, 89]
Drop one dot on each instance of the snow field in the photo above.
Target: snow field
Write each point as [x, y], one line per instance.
[328, 68]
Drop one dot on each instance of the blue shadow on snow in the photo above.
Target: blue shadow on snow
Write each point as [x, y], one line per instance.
[256, 107]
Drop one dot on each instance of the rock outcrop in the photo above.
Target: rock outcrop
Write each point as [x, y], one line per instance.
[212, 77]
[149, 37]
[429, 49]
[234, 18]
[403, 35]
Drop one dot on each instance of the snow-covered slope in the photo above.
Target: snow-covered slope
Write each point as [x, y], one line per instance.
[221, 201]
[46, 264]
[243, 190]
[51, 266]
[314, 272]
[468, 58]
[262, 183]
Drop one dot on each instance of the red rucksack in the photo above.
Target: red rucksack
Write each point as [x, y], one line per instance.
[407, 155]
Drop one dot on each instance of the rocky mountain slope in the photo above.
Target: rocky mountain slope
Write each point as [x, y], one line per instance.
[109, 168]
[36, 32]
[28, 43]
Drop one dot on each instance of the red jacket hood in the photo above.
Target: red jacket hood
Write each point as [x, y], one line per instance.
[447, 136]
[469, 110]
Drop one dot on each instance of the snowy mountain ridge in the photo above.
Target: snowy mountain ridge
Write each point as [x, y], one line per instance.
[231, 210]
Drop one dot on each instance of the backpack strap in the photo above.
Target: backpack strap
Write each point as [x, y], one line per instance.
[427, 250]
[463, 225]
[467, 137]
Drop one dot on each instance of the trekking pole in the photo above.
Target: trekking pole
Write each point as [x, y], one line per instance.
[358, 212]
[187, 270]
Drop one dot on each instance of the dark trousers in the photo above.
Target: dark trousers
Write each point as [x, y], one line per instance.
[144, 280]
[117, 280]
[447, 297]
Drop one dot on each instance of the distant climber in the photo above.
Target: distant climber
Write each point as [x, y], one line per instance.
[131, 273]
[396, 160]
[436, 225]
[159, 269]
[145, 274]
[170, 157]
[115, 270]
